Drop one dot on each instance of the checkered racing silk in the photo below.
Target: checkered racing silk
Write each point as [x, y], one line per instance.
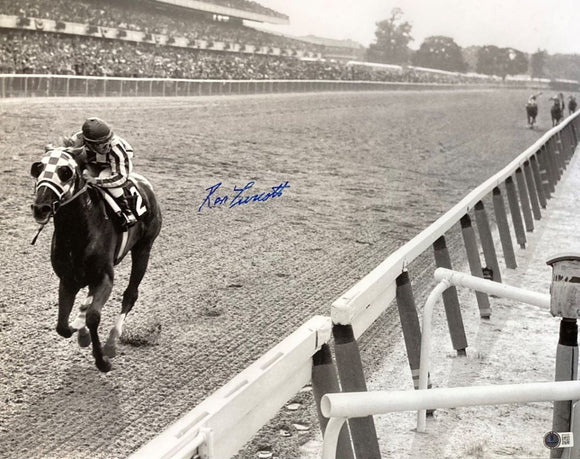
[52, 161]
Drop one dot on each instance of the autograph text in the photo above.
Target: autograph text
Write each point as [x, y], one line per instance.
[213, 200]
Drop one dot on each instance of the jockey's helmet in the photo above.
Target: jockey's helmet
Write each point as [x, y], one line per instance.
[96, 131]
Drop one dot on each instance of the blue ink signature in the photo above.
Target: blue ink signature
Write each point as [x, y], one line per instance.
[213, 200]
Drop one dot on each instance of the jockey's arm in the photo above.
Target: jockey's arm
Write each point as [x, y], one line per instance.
[74, 141]
[121, 166]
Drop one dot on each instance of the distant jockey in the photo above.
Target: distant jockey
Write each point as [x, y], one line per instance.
[532, 99]
[109, 161]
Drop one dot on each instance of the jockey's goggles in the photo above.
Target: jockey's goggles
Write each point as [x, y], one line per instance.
[101, 148]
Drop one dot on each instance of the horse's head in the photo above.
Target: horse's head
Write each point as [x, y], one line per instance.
[58, 177]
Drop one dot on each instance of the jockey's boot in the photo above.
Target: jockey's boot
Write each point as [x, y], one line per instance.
[126, 213]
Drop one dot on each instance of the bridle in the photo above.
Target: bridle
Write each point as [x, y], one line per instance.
[45, 179]
[56, 205]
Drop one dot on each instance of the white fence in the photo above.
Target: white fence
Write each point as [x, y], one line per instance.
[24, 85]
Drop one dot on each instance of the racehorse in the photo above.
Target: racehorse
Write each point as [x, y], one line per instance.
[572, 104]
[556, 111]
[532, 112]
[88, 242]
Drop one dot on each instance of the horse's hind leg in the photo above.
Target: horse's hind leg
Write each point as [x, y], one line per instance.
[100, 294]
[139, 262]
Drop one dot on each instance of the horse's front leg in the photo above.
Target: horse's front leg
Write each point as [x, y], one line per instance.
[100, 294]
[80, 324]
[66, 299]
[139, 262]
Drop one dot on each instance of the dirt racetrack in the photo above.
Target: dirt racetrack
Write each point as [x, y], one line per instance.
[367, 172]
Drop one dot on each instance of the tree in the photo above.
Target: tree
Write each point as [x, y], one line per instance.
[440, 52]
[492, 60]
[393, 36]
[517, 62]
[537, 62]
[487, 60]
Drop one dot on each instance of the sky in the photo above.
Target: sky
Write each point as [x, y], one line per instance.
[527, 25]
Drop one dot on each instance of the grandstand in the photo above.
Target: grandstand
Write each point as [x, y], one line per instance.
[185, 39]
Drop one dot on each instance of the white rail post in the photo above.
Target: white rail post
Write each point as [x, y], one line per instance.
[565, 294]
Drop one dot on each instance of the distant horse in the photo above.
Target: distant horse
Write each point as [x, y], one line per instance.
[556, 111]
[88, 242]
[572, 104]
[562, 102]
[532, 112]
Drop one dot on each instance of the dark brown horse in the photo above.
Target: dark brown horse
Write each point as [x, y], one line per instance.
[88, 242]
[532, 113]
[556, 111]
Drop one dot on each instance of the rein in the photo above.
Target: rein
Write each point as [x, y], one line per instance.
[57, 205]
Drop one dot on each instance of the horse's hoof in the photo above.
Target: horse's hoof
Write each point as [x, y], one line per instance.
[84, 337]
[104, 365]
[110, 350]
[65, 331]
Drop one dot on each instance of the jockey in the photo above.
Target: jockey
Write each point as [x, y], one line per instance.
[109, 160]
[532, 99]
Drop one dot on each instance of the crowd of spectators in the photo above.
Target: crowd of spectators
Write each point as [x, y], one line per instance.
[50, 53]
[152, 18]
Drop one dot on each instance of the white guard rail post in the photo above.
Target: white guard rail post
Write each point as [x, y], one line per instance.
[446, 278]
[341, 406]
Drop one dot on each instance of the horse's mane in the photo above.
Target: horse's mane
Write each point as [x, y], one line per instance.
[79, 155]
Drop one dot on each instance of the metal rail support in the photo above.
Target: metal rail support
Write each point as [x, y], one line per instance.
[532, 191]
[486, 238]
[474, 264]
[538, 181]
[410, 324]
[515, 212]
[325, 381]
[450, 300]
[352, 379]
[503, 229]
[545, 173]
[554, 154]
[548, 158]
[524, 200]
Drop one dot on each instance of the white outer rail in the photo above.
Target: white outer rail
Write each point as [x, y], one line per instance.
[447, 278]
[341, 406]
